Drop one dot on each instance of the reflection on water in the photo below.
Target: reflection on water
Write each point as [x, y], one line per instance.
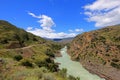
[74, 68]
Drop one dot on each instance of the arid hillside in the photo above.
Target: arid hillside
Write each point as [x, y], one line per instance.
[99, 51]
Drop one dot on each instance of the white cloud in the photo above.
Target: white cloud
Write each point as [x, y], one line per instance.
[33, 15]
[29, 28]
[76, 30]
[47, 23]
[46, 34]
[103, 5]
[103, 12]
[70, 30]
[79, 30]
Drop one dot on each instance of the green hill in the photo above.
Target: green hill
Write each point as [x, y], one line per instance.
[24, 56]
[13, 37]
[99, 51]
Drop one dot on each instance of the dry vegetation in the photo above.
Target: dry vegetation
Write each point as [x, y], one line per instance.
[99, 50]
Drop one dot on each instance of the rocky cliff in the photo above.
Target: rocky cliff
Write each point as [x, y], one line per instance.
[99, 51]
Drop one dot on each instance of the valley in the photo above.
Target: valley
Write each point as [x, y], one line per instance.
[74, 68]
[89, 56]
[60, 40]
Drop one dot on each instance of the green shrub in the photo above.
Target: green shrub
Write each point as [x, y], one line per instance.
[53, 67]
[63, 72]
[49, 64]
[118, 46]
[40, 63]
[56, 46]
[73, 78]
[77, 78]
[18, 57]
[49, 53]
[107, 54]
[115, 65]
[4, 41]
[26, 63]
[115, 60]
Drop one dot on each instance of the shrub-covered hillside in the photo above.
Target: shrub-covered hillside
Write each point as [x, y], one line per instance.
[13, 37]
[99, 50]
[24, 56]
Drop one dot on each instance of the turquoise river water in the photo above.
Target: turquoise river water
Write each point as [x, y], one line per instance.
[74, 68]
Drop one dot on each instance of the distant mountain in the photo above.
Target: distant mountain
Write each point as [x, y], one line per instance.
[99, 51]
[57, 39]
[63, 40]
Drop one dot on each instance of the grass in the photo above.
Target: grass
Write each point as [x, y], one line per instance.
[26, 56]
[19, 65]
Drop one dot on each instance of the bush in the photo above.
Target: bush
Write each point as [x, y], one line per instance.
[4, 41]
[115, 65]
[107, 54]
[56, 46]
[26, 63]
[115, 60]
[49, 64]
[53, 67]
[63, 72]
[49, 53]
[73, 78]
[18, 57]
[40, 63]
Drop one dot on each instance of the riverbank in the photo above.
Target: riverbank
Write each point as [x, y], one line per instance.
[58, 54]
[93, 71]
[107, 72]
[88, 67]
[104, 71]
[74, 68]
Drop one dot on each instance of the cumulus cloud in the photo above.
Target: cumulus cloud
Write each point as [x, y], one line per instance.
[46, 31]
[79, 30]
[45, 21]
[45, 34]
[76, 30]
[29, 28]
[103, 12]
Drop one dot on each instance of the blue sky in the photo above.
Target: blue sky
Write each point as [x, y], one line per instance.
[60, 18]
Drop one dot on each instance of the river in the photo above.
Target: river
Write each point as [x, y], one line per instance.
[74, 68]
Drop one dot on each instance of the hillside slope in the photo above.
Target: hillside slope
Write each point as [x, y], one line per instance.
[99, 51]
[13, 37]
[24, 56]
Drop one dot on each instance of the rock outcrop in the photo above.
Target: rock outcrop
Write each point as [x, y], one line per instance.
[98, 51]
